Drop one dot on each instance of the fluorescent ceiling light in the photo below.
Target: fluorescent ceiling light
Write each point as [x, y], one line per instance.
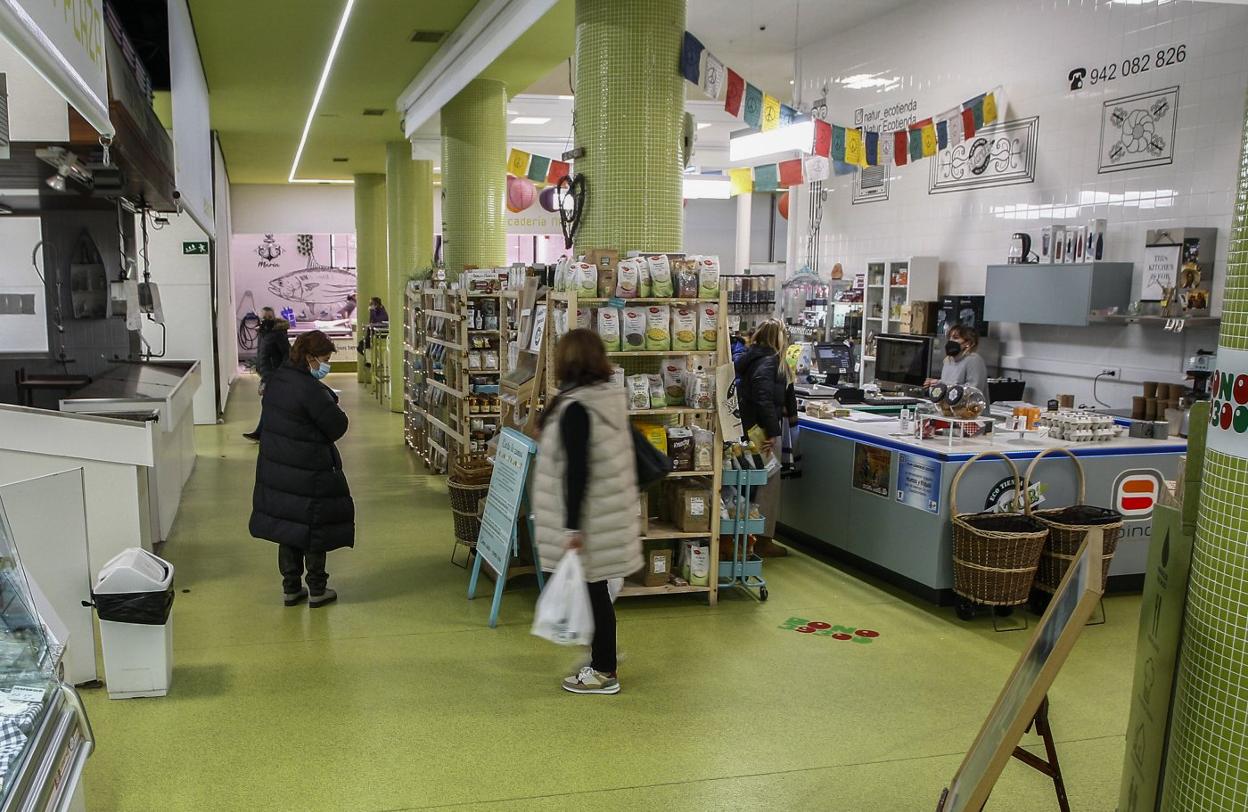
[566, 98]
[316, 99]
[795, 137]
[714, 187]
[702, 125]
[867, 81]
[530, 120]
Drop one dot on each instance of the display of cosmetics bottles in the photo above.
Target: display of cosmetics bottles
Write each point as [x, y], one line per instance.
[749, 293]
[1069, 243]
[483, 404]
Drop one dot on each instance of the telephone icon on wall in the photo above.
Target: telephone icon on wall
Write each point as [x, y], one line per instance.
[1076, 78]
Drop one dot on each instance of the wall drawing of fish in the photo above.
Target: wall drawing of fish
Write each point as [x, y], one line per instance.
[319, 288]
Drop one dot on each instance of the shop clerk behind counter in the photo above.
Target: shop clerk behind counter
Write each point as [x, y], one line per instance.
[963, 364]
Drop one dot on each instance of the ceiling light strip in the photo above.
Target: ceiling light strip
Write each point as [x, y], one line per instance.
[316, 99]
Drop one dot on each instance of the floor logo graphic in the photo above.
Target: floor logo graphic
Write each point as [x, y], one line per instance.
[1136, 493]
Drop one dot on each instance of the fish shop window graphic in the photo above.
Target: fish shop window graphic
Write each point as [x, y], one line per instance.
[1138, 131]
[290, 271]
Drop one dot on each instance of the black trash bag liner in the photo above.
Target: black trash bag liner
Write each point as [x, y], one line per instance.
[140, 608]
[1004, 523]
[1082, 515]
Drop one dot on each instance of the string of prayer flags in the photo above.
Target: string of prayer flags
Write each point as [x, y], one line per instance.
[734, 91]
[816, 168]
[753, 113]
[990, 108]
[915, 134]
[873, 148]
[791, 172]
[741, 180]
[942, 134]
[786, 115]
[838, 143]
[886, 149]
[539, 167]
[691, 58]
[766, 178]
[518, 163]
[823, 138]
[901, 147]
[927, 136]
[713, 77]
[771, 112]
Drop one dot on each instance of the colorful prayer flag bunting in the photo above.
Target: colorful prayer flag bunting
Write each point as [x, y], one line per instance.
[854, 152]
[766, 178]
[791, 172]
[838, 143]
[956, 132]
[518, 163]
[734, 91]
[753, 111]
[901, 147]
[942, 135]
[690, 57]
[741, 181]
[968, 123]
[558, 171]
[713, 77]
[786, 115]
[990, 108]
[816, 168]
[538, 167]
[886, 149]
[915, 134]
[977, 112]
[927, 130]
[823, 138]
[842, 168]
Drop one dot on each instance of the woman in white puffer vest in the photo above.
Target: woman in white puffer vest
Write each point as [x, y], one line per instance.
[585, 491]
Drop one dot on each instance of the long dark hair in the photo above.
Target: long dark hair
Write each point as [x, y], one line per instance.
[308, 346]
[580, 360]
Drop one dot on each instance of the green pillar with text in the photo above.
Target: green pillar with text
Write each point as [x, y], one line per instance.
[1207, 761]
[474, 177]
[370, 251]
[630, 107]
[409, 230]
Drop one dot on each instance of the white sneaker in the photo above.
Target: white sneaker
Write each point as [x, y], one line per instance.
[589, 681]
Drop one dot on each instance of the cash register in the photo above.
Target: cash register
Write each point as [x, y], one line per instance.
[901, 366]
[829, 363]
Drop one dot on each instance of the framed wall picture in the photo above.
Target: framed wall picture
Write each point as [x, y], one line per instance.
[1139, 130]
[1002, 155]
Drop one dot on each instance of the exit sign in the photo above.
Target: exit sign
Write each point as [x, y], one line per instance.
[195, 247]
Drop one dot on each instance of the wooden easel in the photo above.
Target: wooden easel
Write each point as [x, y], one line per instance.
[1048, 765]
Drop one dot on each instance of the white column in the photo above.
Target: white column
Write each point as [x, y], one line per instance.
[745, 203]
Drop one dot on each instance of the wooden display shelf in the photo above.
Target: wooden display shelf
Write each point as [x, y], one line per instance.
[630, 590]
[659, 531]
[447, 389]
[657, 353]
[443, 343]
[442, 314]
[598, 300]
[689, 474]
[669, 410]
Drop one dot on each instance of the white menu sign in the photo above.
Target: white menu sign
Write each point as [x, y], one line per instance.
[1161, 270]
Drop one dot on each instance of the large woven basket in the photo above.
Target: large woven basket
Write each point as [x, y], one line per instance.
[466, 503]
[1068, 527]
[995, 555]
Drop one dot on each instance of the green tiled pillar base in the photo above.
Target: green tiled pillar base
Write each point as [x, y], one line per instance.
[1207, 762]
[474, 177]
[630, 106]
[409, 226]
[370, 250]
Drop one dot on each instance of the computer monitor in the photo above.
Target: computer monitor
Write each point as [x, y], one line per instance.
[833, 359]
[902, 361]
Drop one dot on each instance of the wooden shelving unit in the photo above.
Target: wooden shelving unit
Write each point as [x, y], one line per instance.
[892, 284]
[650, 362]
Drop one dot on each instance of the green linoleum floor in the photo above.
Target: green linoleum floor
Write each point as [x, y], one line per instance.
[399, 697]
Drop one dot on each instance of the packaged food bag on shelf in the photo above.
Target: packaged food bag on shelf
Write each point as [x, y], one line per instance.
[658, 327]
[644, 286]
[563, 614]
[609, 327]
[695, 563]
[660, 276]
[585, 279]
[699, 389]
[607, 282]
[684, 328]
[685, 273]
[680, 448]
[634, 329]
[560, 282]
[561, 321]
[628, 280]
[658, 396]
[638, 392]
[708, 327]
[585, 318]
[655, 434]
[674, 380]
[703, 449]
[708, 277]
[619, 379]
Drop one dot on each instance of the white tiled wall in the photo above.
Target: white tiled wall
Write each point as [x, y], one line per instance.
[941, 53]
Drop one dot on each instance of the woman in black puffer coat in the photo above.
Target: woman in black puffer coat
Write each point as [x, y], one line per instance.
[765, 396]
[301, 500]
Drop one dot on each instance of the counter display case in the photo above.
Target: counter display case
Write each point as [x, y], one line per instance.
[45, 737]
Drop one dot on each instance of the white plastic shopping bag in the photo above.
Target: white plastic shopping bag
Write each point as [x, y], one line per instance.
[564, 615]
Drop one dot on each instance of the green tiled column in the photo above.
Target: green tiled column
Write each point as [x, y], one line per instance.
[630, 107]
[474, 177]
[409, 228]
[370, 250]
[1207, 761]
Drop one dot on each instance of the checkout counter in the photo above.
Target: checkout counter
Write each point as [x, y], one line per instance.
[881, 500]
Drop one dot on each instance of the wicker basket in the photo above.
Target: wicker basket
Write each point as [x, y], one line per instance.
[995, 555]
[471, 470]
[1068, 527]
[467, 500]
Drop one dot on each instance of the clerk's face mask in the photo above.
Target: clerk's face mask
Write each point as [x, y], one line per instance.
[953, 348]
[320, 370]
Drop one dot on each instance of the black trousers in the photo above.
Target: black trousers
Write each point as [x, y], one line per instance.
[292, 561]
[602, 649]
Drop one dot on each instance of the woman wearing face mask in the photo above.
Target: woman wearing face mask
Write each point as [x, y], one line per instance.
[963, 364]
[301, 499]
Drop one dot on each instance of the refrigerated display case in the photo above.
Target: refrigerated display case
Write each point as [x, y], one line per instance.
[45, 736]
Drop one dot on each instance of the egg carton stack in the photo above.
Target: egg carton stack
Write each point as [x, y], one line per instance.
[1075, 426]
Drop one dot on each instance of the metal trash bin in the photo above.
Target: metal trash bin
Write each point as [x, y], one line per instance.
[133, 597]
